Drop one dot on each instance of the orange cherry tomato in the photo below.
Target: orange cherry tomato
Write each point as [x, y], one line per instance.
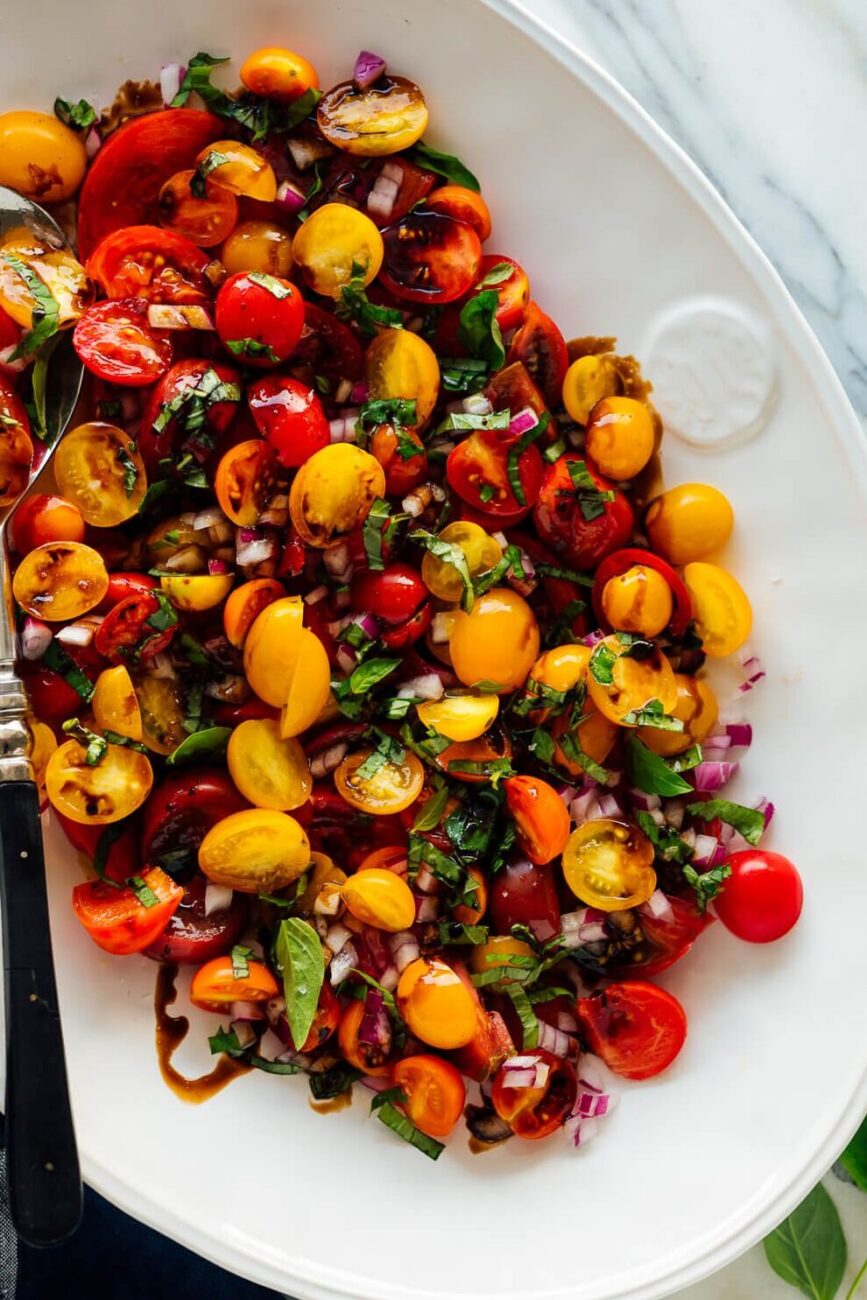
[96, 794]
[203, 221]
[541, 817]
[437, 1005]
[245, 604]
[471, 760]
[404, 469]
[696, 708]
[60, 581]
[430, 257]
[389, 789]
[238, 168]
[332, 493]
[46, 518]
[434, 1090]
[637, 1028]
[245, 480]
[255, 851]
[124, 921]
[215, 986]
[496, 642]
[536, 1109]
[16, 447]
[464, 205]
[472, 915]
[380, 898]
[594, 737]
[325, 1021]
[370, 1058]
[275, 73]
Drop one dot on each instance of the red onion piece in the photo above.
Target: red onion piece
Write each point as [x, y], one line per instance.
[290, 198]
[318, 593]
[646, 802]
[427, 687]
[523, 421]
[36, 637]
[336, 937]
[375, 1027]
[404, 949]
[658, 906]
[247, 1011]
[767, 808]
[368, 69]
[740, 734]
[521, 1078]
[708, 851]
[554, 1040]
[270, 1046]
[713, 775]
[347, 660]
[360, 392]
[427, 908]
[92, 143]
[217, 567]
[244, 1032]
[343, 963]
[609, 807]
[77, 634]
[593, 638]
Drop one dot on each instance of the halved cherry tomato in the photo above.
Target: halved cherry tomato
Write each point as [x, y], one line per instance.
[271, 649]
[124, 180]
[389, 789]
[637, 1028]
[16, 448]
[380, 898]
[290, 416]
[245, 479]
[511, 287]
[332, 493]
[115, 342]
[496, 642]
[762, 898]
[309, 685]
[619, 561]
[193, 936]
[487, 1049]
[205, 220]
[337, 245]
[114, 704]
[430, 257]
[398, 364]
[666, 939]
[580, 524]
[122, 857]
[723, 615]
[513, 388]
[180, 812]
[245, 604]
[624, 678]
[392, 594]
[370, 1057]
[541, 817]
[460, 717]
[59, 581]
[25, 255]
[42, 158]
[325, 1021]
[98, 467]
[328, 347]
[255, 851]
[151, 263]
[609, 864]
[383, 118]
[96, 794]
[439, 1007]
[524, 893]
[269, 771]
[535, 1111]
[542, 349]
[118, 920]
[195, 592]
[171, 418]
[46, 517]
[259, 317]
[464, 205]
[621, 436]
[127, 632]
[238, 168]
[434, 1091]
[481, 470]
[471, 913]
[471, 760]
[215, 986]
[480, 549]
[121, 585]
[688, 522]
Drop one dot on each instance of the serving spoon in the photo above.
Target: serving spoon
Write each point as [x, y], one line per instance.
[45, 1194]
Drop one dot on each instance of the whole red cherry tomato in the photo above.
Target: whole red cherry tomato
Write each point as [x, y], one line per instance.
[576, 519]
[392, 594]
[762, 898]
[290, 415]
[180, 812]
[637, 1028]
[126, 627]
[259, 317]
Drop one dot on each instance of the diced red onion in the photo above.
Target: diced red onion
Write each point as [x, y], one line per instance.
[216, 568]
[767, 808]
[404, 949]
[567, 792]
[338, 563]
[427, 687]
[708, 851]
[343, 429]
[290, 198]
[336, 937]
[609, 807]
[585, 808]
[426, 882]
[343, 963]
[218, 898]
[244, 1032]
[162, 667]
[646, 802]
[673, 810]
[658, 906]
[567, 1022]
[554, 1040]
[477, 404]
[524, 1077]
[381, 199]
[587, 925]
[717, 743]
[76, 634]
[305, 152]
[360, 392]
[525, 1072]
[171, 76]
[374, 1028]
[593, 638]
[328, 901]
[326, 762]
[8, 365]
[441, 627]
[376, 1083]
[523, 421]
[318, 593]
[203, 519]
[713, 775]
[427, 908]
[347, 660]
[178, 316]
[92, 143]
[36, 637]
[247, 1011]
[251, 547]
[368, 69]
[753, 670]
[740, 734]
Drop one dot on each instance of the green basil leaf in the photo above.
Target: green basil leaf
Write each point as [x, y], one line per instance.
[405, 1129]
[748, 821]
[46, 309]
[651, 773]
[202, 746]
[479, 330]
[198, 78]
[444, 164]
[354, 305]
[56, 658]
[497, 275]
[209, 163]
[370, 674]
[78, 117]
[431, 811]
[706, 884]
[453, 555]
[241, 955]
[388, 410]
[225, 1040]
[334, 1082]
[274, 286]
[302, 964]
[808, 1249]
[251, 347]
[854, 1158]
[591, 499]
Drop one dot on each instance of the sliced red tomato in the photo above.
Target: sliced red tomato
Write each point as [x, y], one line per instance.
[484, 1053]
[542, 348]
[126, 631]
[619, 561]
[123, 183]
[151, 263]
[115, 342]
[430, 257]
[512, 388]
[328, 347]
[289, 414]
[121, 585]
[187, 386]
[123, 921]
[581, 525]
[513, 290]
[182, 809]
[637, 1028]
[483, 469]
[191, 935]
[669, 938]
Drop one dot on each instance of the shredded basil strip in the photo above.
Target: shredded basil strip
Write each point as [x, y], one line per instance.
[248, 347]
[706, 884]
[384, 1110]
[651, 773]
[270, 282]
[444, 164]
[513, 462]
[591, 499]
[209, 163]
[453, 555]
[45, 312]
[143, 891]
[749, 822]
[56, 658]
[78, 117]
[240, 956]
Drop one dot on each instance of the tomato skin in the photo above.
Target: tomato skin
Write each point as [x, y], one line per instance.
[406, 634]
[481, 461]
[762, 898]
[392, 594]
[637, 1028]
[562, 526]
[435, 1093]
[122, 858]
[151, 263]
[184, 807]
[43, 518]
[430, 257]
[125, 626]
[52, 698]
[541, 817]
[537, 1112]
[542, 349]
[123, 183]
[183, 376]
[115, 342]
[668, 940]
[402, 474]
[192, 937]
[123, 585]
[16, 445]
[228, 715]
[524, 893]
[215, 986]
[328, 346]
[115, 919]
[619, 561]
[246, 309]
[483, 1054]
[513, 292]
[464, 205]
[290, 415]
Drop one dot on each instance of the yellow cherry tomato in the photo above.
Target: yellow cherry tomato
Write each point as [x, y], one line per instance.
[337, 244]
[255, 851]
[161, 702]
[620, 436]
[95, 795]
[436, 1004]
[696, 708]
[258, 246]
[496, 642]
[42, 746]
[594, 737]
[98, 468]
[244, 605]
[496, 952]
[689, 522]
[114, 703]
[275, 73]
[723, 614]
[197, 591]
[400, 364]
[40, 157]
[621, 682]
[239, 169]
[638, 600]
[385, 118]
[309, 686]
[586, 382]
[332, 493]
[481, 550]
[609, 864]
[377, 788]
[460, 717]
[380, 898]
[271, 649]
[269, 771]
[60, 580]
[559, 670]
[24, 256]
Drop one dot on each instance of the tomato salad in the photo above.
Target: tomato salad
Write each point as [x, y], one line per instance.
[366, 651]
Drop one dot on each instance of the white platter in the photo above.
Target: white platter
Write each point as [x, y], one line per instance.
[615, 227]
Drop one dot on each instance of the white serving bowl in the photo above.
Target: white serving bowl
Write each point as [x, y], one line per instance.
[614, 226]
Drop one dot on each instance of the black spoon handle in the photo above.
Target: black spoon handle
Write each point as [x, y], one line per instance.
[42, 1161]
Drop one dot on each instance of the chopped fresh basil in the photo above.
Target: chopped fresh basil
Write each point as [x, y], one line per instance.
[546, 570]
[493, 769]
[274, 286]
[651, 773]
[453, 555]
[302, 964]
[542, 746]
[355, 305]
[462, 374]
[538, 996]
[444, 164]
[56, 658]
[388, 410]
[78, 117]
[668, 844]
[601, 665]
[251, 347]
[525, 1013]
[387, 751]
[143, 891]
[440, 864]
[240, 956]
[95, 747]
[258, 115]
[397, 707]
[315, 188]
[428, 749]
[555, 451]
[479, 330]
[653, 715]
[108, 838]
[510, 563]
[452, 932]
[190, 407]
[536, 695]
[275, 1067]
[748, 821]
[45, 314]
[39, 392]
[212, 160]
[372, 533]
[370, 674]
[463, 421]
[225, 1040]
[591, 499]
[497, 275]
[431, 811]
[513, 461]
[165, 616]
[203, 746]
[471, 826]
[383, 1107]
[130, 470]
[198, 78]
[575, 754]
[333, 1082]
[706, 884]
[684, 762]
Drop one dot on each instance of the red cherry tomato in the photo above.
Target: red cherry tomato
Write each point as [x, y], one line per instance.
[561, 516]
[513, 291]
[152, 263]
[404, 469]
[51, 696]
[10, 337]
[613, 565]
[478, 470]
[182, 809]
[115, 342]
[123, 183]
[536, 1111]
[126, 628]
[325, 1020]
[46, 518]
[328, 347]
[667, 940]
[637, 1028]
[484, 1053]
[430, 257]
[393, 594]
[762, 899]
[290, 416]
[185, 378]
[191, 936]
[117, 920]
[525, 894]
[406, 634]
[541, 817]
[542, 348]
[122, 854]
[229, 715]
[511, 389]
[414, 184]
[122, 585]
[259, 318]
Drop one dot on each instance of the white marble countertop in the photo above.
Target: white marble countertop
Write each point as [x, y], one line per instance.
[769, 97]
